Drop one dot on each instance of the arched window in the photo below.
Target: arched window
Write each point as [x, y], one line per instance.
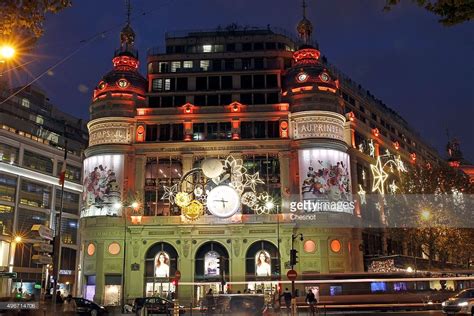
[212, 260]
[261, 261]
[161, 263]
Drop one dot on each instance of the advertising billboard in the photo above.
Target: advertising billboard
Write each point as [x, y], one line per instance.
[102, 186]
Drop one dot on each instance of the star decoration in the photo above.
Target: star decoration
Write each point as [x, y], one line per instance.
[170, 193]
[371, 148]
[252, 181]
[380, 176]
[261, 205]
[393, 187]
[362, 195]
[400, 165]
[361, 148]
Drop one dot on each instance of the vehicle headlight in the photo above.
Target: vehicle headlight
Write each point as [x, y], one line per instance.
[444, 304]
[462, 304]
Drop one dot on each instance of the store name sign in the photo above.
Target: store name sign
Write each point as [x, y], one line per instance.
[109, 133]
[318, 126]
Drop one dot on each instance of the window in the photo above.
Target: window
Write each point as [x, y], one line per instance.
[175, 65]
[165, 132]
[9, 154]
[179, 49]
[157, 84]
[212, 131]
[182, 84]
[198, 131]
[166, 101]
[69, 229]
[151, 133]
[70, 202]
[213, 99]
[25, 102]
[229, 64]
[163, 67]
[39, 119]
[217, 65]
[7, 188]
[37, 162]
[34, 194]
[154, 102]
[230, 47]
[177, 132]
[188, 64]
[6, 219]
[259, 129]
[218, 48]
[179, 100]
[272, 98]
[226, 99]
[272, 81]
[204, 65]
[72, 173]
[246, 130]
[225, 131]
[246, 82]
[258, 63]
[259, 98]
[247, 47]
[167, 84]
[273, 129]
[246, 63]
[259, 81]
[200, 100]
[201, 83]
[226, 82]
[270, 45]
[214, 83]
[258, 46]
[246, 98]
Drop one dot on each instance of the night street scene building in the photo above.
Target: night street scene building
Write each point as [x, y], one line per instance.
[32, 142]
[239, 144]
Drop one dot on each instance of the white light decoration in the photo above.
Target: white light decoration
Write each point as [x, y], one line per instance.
[262, 203]
[363, 175]
[379, 175]
[249, 199]
[371, 148]
[393, 187]
[362, 195]
[212, 167]
[252, 181]
[170, 193]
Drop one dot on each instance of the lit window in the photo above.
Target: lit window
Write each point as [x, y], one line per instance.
[204, 65]
[218, 48]
[188, 64]
[39, 119]
[207, 48]
[309, 246]
[91, 249]
[157, 85]
[335, 246]
[25, 102]
[114, 248]
[163, 67]
[175, 65]
[167, 84]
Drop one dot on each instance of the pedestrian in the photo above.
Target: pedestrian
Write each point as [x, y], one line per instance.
[59, 298]
[69, 306]
[287, 297]
[311, 301]
[210, 303]
[276, 300]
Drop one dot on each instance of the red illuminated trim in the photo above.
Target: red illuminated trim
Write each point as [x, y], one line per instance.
[396, 145]
[125, 62]
[376, 132]
[326, 89]
[351, 116]
[306, 53]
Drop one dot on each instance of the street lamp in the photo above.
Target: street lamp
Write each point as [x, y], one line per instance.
[6, 52]
[18, 239]
[425, 215]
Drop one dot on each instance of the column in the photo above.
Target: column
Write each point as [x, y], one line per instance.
[284, 159]
[99, 272]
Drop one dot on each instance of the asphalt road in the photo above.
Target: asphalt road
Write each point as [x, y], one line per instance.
[415, 313]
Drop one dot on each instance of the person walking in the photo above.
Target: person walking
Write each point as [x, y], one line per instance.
[311, 301]
[69, 306]
[287, 297]
[210, 303]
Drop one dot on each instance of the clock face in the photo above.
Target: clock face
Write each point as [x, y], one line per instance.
[223, 201]
[324, 77]
[122, 83]
[302, 77]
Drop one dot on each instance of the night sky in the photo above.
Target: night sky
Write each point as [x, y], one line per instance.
[416, 66]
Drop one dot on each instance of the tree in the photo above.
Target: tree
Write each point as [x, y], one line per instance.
[25, 18]
[434, 213]
[452, 12]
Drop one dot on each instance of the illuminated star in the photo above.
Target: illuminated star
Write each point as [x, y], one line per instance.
[361, 148]
[400, 164]
[379, 175]
[371, 148]
[362, 195]
[170, 193]
[393, 187]
[253, 180]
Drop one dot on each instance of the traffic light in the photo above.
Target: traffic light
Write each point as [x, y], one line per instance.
[293, 257]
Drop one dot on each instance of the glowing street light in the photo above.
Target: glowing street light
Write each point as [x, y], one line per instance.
[425, 215]
[18, 239]
[410, 270]
[7, 52]
[135, 205]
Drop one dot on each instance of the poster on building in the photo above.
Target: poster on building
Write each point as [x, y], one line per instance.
[325, 180]
[263, 262]
[211, 264]
[162, 265]
[102, 185]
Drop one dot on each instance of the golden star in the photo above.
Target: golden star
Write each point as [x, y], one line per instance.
[380, 176]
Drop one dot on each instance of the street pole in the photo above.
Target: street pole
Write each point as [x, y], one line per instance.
[57, 243]
[124, 210]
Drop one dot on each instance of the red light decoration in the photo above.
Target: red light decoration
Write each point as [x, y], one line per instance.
[413, 157]
[284, 129]
[396, 145]
[235, 106]
[136, 219]
[188, 108]
[308, 54]
[122, 83]
[125, 63]
[235, 136]
[351, 116]
[376, 132]
[140, 137]
[101, 85]
[454, 164]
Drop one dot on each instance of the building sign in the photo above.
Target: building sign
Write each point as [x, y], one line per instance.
[318, 124]
[211, 264]
[325, 181]
[102, 187]
[162, 265]
[263, 266]
[109, 133]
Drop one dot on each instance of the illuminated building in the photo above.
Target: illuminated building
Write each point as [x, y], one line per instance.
[31, 155]
[280, 119]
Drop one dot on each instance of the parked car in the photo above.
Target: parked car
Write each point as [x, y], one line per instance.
[241, 304]
[86, 307]
[461, 303]
[155, 305]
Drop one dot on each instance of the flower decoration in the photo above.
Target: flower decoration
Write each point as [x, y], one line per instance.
[249, 199]
[193, 210]
[252, 181]
[182, 199]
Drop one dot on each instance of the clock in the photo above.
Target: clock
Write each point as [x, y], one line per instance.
[302, 77]
[324, 77]
[122, 83]
[223, 201]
